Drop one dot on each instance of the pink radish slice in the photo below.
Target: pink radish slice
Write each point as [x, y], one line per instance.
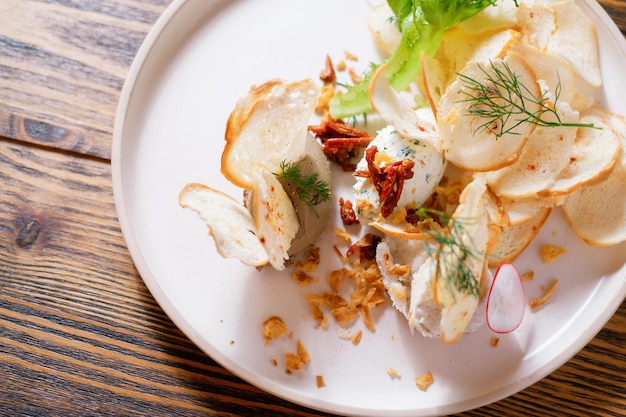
[506, 301]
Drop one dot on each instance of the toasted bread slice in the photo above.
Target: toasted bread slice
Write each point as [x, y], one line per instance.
[458, 48]
[520, 210]
[593, 156]
[537, 24]
[458, 306]
[233, 230]
[575, 39]
[397, 111]
[381, 23]
[267, 126]
[514, 240]
[275, 217]
[461, 47]
[597, 213]
[544, 156]
[558, 76]
[468, 142]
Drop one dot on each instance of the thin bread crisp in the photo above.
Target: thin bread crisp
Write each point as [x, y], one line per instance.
[275, 217]
[467, 144]
[593, 156]
[233, 230]
[268, 126]
[457, 306]
[516, 238]
[544, 156]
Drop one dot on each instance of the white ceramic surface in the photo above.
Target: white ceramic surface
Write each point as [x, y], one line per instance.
[200, 57]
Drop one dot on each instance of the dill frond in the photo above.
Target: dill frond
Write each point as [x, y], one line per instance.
[450, 252]
[310, 190]
[503, 98]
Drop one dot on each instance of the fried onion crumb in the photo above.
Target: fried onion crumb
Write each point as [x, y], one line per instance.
[494, 341]
[424, 381]
[294, 361]
[302, 278]
[528, 276]
[538, 302]
[356, 338]
[273, 328]
[550, 253]
[393, 373]
[319, 381]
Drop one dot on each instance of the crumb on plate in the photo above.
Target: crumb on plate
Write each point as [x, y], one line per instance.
[424, 381]
[550, 253]
[538, 302]
[273, 328]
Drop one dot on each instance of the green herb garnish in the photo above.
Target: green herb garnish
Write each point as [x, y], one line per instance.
[451, 253]
[503, 98]
[310, 190]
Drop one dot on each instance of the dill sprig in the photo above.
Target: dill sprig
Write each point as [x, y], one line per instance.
[450, 251]
[310, 190]
[503, 98]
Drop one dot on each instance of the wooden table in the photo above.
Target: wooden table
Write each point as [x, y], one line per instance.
[79, 332]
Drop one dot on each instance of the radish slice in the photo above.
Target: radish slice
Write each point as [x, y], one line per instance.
[506, 301]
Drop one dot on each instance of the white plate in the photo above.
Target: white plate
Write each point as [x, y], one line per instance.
[200, 57]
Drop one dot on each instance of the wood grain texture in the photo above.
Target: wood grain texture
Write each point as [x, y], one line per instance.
[62, 66]
[80, 334]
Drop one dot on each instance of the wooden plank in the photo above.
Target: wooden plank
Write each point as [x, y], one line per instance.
[62, 67]
[617, 10]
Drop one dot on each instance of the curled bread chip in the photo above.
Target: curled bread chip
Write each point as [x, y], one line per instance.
[267, 126]
[382, 25]
[597, 213]
[233, 229]
[458, 48]
[466, 143]
[462, 48]
[458, 305]
[536, 23]
[575, 39]
[515, 239]
[545, 155]
[558, 76]
[397, 111]
[593, 156]
[274, 216]
[518, 210]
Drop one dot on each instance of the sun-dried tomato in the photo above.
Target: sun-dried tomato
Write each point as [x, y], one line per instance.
[365, 247]
[387, 180]
[346, 210]
[341, 143]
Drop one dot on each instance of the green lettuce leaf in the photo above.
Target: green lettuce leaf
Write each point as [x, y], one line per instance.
[422, 24]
